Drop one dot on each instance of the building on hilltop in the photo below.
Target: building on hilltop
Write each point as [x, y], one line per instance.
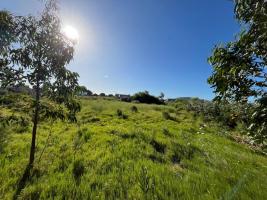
[123, 97]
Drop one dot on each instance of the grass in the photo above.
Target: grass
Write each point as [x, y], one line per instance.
[142, 156]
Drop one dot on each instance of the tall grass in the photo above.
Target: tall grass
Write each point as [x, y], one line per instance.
[141, 157]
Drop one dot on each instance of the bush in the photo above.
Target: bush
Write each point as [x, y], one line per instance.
[258, 126]
[121, 115]
[134, 109]
[145, 97]
[225, 113]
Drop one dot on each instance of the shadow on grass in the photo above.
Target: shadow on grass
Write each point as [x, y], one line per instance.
[22, 181]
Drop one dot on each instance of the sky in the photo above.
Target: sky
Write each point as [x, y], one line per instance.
[126, 46]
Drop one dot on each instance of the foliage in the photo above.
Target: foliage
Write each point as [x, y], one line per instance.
[227, 114]
[142, 157]
[34, 51]
[145, 97]
[258, 127]
[134, 109]
[83, 91]
[239, 67]
[120, 114]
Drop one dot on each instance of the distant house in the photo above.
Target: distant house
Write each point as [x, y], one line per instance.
[123, 97]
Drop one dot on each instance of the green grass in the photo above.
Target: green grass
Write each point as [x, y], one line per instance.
[141, 156]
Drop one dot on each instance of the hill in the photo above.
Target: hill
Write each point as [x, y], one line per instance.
[120, 150]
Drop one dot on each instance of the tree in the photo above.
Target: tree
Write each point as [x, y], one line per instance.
[145, 97]
[82, 90]
[240, 67]
[34, 50]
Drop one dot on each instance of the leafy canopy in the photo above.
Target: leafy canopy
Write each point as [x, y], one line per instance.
[239, 67]
[35, 51]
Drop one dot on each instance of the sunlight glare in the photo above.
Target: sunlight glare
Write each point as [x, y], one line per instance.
[71, 32]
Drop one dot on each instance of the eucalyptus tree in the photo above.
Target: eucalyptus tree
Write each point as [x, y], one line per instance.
[35, 51]
[240, 67]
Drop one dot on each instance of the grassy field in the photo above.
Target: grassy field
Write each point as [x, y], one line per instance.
[146, 154]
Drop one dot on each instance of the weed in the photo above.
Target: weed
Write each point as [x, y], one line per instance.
[120, 114]
[134, 109]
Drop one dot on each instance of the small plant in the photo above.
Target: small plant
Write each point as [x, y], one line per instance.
[121, 115]
[147, 183]
[78, 170]
[144, 179]
[134, 109]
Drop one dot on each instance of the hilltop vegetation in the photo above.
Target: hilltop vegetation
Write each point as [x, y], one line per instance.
[144, 155]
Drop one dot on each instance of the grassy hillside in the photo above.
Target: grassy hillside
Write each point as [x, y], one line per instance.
[158, 152]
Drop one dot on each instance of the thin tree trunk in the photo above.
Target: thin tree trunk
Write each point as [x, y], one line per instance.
[35, 123]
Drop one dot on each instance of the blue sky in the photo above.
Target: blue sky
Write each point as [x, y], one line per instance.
[127, 46]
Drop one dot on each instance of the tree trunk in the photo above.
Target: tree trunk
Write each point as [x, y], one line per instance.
[35, 123]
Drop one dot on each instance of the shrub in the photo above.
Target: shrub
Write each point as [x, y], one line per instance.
[258, 126]
[145, 97]
[121, 115]
[134, 109]
[225, 113]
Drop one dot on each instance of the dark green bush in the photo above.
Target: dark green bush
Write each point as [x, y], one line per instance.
[225, 113]
[134, 109]
[145, 97]
[120, 114]
[258, 126]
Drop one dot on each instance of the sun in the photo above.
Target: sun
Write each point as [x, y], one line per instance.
[71, 32]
